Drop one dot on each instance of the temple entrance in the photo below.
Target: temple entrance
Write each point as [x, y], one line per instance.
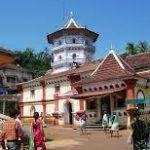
[105, 105]
[68, 118]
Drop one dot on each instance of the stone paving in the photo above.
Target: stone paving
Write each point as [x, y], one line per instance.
[64, 138]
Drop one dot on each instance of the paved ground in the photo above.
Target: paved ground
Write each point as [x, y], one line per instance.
[68, 139]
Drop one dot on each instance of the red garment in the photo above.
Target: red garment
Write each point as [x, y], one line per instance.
[38, 134]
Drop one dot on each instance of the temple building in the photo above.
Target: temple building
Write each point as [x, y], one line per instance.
[76, 82]
[10, 76]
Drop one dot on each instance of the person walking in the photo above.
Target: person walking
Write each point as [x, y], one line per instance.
[138, 127]
[12, 132]
[82, 121]
[38, 133]
[18, 120]
[115, 126]
[105, 122]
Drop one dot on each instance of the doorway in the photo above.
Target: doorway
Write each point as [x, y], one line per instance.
[68, 118]
[105, 105]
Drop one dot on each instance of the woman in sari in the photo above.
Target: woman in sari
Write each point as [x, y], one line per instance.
[38, 133]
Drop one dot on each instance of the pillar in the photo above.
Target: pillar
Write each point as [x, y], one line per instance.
[81, 102]
[21, 101]
[44, 98]
[131, 83]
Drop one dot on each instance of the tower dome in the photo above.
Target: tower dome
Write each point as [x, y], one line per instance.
[72, 43]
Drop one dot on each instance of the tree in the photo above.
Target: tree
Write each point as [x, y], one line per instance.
[131, 49]
[143, 46]
[38, 63]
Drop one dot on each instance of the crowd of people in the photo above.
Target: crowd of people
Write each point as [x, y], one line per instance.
[12, 133]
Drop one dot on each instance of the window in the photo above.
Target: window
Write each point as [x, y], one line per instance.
[59, 42]
[74, 40]
[32, 92]
[86, 42]
[60, 57]
[1, 81]
[25, 79]
[57, 88]
[11, 79]
[74, 56]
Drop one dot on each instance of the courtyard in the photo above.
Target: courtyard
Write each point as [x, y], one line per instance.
[66, 138]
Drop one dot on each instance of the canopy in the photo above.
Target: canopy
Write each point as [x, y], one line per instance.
[138, 101]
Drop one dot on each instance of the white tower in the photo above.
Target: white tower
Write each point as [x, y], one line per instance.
[72, 43]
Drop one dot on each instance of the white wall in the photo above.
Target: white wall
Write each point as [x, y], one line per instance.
[50, 90]
[50, 108]
[39, 108]
[26, 110]
[26, 95]
[64, 87]
[37, 96]
[38, 93]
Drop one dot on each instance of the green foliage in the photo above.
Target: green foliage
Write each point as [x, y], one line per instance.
[38, 63]
[141, 47]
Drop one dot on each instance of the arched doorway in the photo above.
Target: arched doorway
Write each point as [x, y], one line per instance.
[68, 118]
[140, 95]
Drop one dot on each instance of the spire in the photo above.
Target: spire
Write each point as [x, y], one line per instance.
[71, 14]
[111, 46]
[71, 23]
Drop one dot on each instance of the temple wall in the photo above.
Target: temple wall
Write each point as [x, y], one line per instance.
[50, 108]
[50, 90]
[64, 87]
[38, 93]
[26, 110]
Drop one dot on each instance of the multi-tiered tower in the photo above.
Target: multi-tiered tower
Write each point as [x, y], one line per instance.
[72, 43]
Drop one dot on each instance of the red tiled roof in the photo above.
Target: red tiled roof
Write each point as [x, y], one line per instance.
[88, 66]
[15, 67]
[96, 93]
[145, 74]
[112, 67]
[139, 60]
[108, 71]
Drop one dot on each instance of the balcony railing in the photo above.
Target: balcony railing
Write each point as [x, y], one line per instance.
[72, 46]
[66, 62]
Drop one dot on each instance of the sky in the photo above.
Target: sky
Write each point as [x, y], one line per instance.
[25, 23]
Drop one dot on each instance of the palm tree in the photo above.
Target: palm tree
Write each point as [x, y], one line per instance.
[143, 47]
[131, 49]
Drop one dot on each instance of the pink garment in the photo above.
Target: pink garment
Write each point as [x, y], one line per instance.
[38, 134]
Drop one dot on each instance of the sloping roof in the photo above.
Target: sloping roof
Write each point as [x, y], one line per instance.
[72, 24]
[6, 56]
[96, 93]
[3, 50]
[144, 74]
[15, 67]
[112, 67]
[72, 28]
[105, 68]
[139, 60]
